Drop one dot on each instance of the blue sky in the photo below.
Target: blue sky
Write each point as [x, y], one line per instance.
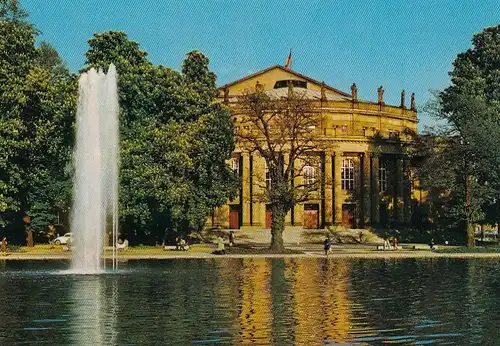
[395, 43]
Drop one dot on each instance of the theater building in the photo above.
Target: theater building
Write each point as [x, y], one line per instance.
[365, 166]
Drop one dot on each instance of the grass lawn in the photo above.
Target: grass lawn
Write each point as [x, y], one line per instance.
[477, 249]
[133, 250]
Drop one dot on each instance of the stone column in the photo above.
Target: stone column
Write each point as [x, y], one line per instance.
[322, 217]
[288, 216]
[338, 188]
[245, 199]
[366, 190]
[375, 195]
[329, 205]
[406, 190]
[398, 201]
[361, 191]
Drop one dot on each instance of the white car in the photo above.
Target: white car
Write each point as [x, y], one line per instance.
[63, 239]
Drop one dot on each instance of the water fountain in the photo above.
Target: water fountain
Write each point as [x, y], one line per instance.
[95, 204]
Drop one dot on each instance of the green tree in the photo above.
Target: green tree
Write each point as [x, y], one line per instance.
[174, 140]
[468, 155]
[36, 115]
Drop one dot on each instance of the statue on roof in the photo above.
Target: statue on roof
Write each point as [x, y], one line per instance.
[354, 91]
[226, 95]
[380, 92]
[259, 87]
[412, 102]
[403, 98]
[323, 93]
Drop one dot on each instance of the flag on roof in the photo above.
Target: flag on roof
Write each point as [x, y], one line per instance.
[289, 60]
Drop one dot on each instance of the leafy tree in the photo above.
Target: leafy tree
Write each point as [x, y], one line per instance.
[36, 115]
[468, 156]
[174, 140]
[283, 133]
[48, 59]
[10, 10]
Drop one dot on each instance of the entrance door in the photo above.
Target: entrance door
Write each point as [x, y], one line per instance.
[269, 216]
[234, 216]
[383, 214]
[311, 215]
[348, 215]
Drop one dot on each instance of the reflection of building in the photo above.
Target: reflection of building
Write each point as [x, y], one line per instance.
[365, 161]
[322, 305]
[256, 315]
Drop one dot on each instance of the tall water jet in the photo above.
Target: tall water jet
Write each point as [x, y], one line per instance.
[95, 201]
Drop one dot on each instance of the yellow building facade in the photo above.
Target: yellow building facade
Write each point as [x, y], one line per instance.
[364, 168]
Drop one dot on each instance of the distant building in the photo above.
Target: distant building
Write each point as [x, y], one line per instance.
[366, 160]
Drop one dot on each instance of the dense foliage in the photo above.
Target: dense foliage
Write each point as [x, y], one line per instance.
[175, 138]
[462, 172]
[37, 104]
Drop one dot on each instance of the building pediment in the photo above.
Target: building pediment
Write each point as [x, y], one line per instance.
[277, 77]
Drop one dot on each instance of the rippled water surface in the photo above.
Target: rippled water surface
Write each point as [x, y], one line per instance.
[253, 302]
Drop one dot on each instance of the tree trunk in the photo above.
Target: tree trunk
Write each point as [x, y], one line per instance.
[277, 228]
[469, 227]
[29, 239]
[470, 234]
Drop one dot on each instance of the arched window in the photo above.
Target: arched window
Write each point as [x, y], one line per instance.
[309, 175]
[347, 174]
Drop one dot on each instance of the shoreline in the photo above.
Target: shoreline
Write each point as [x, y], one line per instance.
[200, 255]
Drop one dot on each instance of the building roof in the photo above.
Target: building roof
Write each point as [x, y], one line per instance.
[327, 87]
[308, 94]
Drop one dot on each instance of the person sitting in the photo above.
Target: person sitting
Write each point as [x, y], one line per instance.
[220, 247]
[122, 246]
[67, 247]
[431, 244]
[183, 246]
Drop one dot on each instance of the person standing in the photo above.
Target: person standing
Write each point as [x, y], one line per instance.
[327, 246]
[4, 246]
[231, 238]
[220, 246]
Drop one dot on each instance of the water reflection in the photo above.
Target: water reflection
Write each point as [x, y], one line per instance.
[95, 309]
[321, 301]
[255, 308]
[254, 302]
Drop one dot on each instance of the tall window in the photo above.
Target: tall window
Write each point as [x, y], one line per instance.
[347, 174]
[235, 164]
[309, 175]
[268, 177]
[382, 177]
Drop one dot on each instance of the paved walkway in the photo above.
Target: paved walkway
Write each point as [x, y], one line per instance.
[336, 254]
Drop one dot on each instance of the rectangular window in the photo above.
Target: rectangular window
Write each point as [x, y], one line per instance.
[235, 164]
[309, 175]
[347, 174]
[268, 178]
[382, 177]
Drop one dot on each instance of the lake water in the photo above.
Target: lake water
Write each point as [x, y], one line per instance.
[253, 302]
